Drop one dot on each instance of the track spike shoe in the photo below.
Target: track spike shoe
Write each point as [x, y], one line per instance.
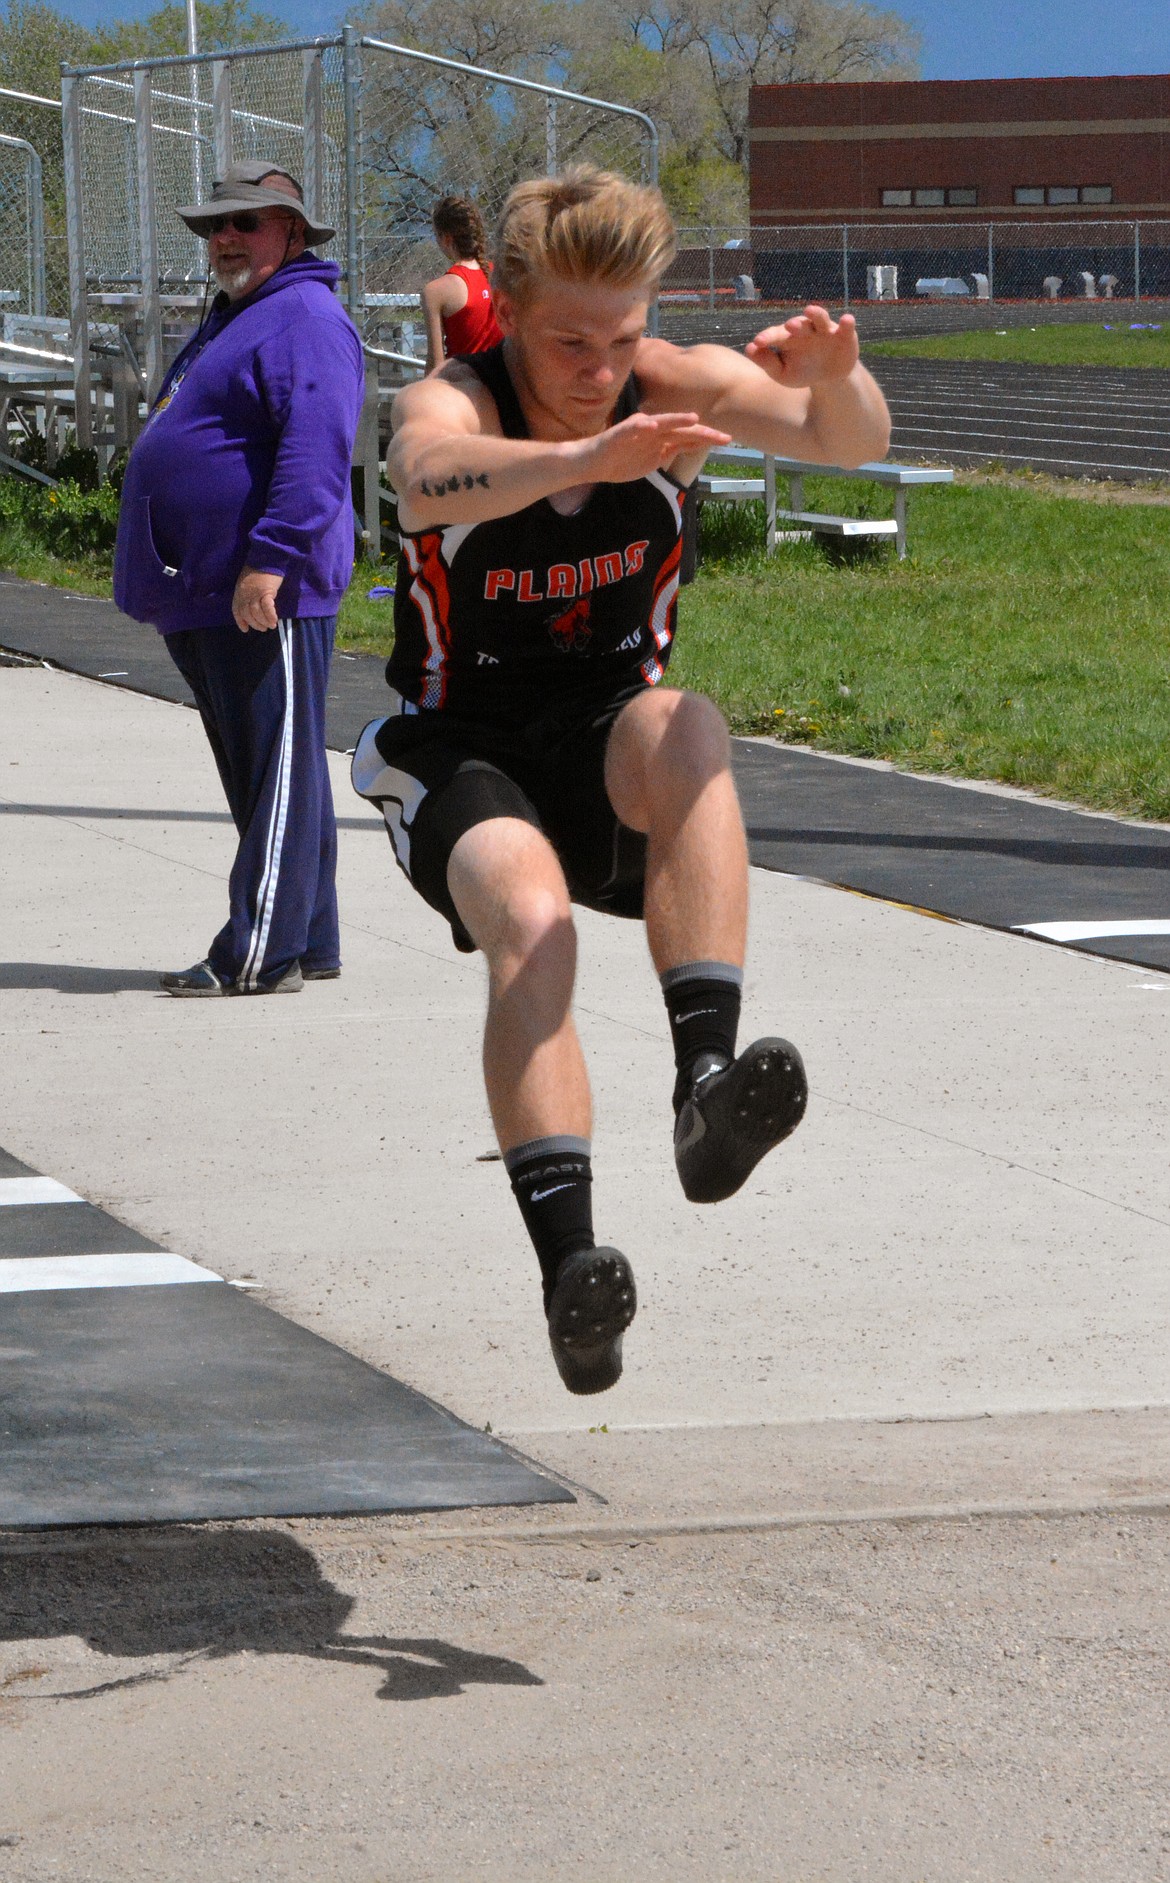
[737, 1111]
[592, 1304]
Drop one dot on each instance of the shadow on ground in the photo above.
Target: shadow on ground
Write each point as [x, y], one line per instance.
[1140, 853]
[67, 977]
[152, 814]
[206, 1596]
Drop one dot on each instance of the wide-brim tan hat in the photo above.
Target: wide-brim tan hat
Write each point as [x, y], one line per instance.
[242, 187]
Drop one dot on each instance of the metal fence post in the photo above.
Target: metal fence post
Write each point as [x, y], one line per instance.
[75, 229]
[368, 454]
[845, 263]
[221, 115]
[351, 79]
[710, 269]
[148, 234]
[36, 233]
[991, 261]
[314, 136]
[550, 137]
[1137, 262]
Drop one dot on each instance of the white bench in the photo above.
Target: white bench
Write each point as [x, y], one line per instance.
[901, 478]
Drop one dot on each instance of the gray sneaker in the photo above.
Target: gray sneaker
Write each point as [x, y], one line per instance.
[198, 983]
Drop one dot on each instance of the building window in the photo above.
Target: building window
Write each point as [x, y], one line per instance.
[929, 199]
[1097, 193]
[962, 199]
[1063, 193]
[1029, 196]
[896, 199]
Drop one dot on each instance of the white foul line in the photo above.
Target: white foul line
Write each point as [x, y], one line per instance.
[26, 1274]
[15, 1190]
[1086, 931]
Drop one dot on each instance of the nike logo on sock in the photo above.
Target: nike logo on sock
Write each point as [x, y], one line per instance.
[697, 1014]
[538, 1196]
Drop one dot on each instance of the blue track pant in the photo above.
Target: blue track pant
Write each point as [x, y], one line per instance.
[262, 700]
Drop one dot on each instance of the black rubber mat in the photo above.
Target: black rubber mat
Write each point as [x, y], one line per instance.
[146, 1405]
[1003, 862]
[125, 1399]
[65, 1229]
[92, 637]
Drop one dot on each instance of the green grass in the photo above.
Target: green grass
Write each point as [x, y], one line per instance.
[1070, 343]
[1025, 639]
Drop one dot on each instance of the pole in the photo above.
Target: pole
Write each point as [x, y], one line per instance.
[845, 263]
[990, 261]
[75, 228]
[313, 172]
[196, 150]
[350, 53]
[221, 115]
[148, 234]
[1137, 262]
[550, 137]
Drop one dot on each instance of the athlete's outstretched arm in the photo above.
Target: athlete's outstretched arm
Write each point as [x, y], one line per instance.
[449, 464]
[798, 390]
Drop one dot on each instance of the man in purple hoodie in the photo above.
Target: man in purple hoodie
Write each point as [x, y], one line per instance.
[236, 541]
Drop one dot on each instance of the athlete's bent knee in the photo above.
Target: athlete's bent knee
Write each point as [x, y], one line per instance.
[510, 894]
[694, 746]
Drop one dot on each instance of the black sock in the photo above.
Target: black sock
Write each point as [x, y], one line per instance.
[551, 1181]
[702, 1003]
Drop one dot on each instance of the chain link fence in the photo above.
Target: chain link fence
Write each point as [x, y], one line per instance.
[375, 131]
[430, 126]
[845, 264]
[22, 228]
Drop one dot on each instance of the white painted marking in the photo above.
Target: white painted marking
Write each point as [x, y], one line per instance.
[22, 1276]
[1086, 931]
[14, 1190]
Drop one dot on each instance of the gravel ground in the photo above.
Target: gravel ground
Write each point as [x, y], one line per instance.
[942, 1701]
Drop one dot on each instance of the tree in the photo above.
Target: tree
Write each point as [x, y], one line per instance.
[35, 40]
[163, 34]
[793, 42]
[689, 64]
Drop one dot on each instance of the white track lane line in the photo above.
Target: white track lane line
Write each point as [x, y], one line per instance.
[14, 1190]
[1086, 931]
[28, 1274]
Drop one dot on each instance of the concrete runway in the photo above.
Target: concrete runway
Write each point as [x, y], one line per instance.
[893, 1442]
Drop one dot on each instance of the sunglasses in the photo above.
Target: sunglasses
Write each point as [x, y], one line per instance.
[244, 222]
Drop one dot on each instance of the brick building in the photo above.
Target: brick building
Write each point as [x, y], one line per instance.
[1047, 155]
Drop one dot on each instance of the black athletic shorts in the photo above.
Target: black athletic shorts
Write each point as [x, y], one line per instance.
[435, 775]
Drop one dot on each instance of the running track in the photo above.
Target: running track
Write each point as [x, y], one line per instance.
[1068, 421]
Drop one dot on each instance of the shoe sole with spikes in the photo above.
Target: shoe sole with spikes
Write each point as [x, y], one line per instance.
[735, 1116]
[592, 1305]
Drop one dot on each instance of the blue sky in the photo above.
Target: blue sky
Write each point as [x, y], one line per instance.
[961, 38]
[1039, 38]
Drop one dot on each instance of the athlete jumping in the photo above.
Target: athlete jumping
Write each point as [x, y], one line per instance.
[532, 757]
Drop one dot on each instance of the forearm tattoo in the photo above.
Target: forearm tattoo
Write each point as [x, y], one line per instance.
[447, 486]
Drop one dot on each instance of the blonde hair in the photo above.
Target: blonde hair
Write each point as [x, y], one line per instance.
[585, 225]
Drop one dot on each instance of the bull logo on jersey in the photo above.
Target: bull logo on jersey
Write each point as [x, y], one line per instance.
[573, 630]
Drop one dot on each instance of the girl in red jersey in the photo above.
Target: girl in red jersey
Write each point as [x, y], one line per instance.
[457, 306]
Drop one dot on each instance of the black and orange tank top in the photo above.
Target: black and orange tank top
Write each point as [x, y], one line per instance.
[529, 612]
